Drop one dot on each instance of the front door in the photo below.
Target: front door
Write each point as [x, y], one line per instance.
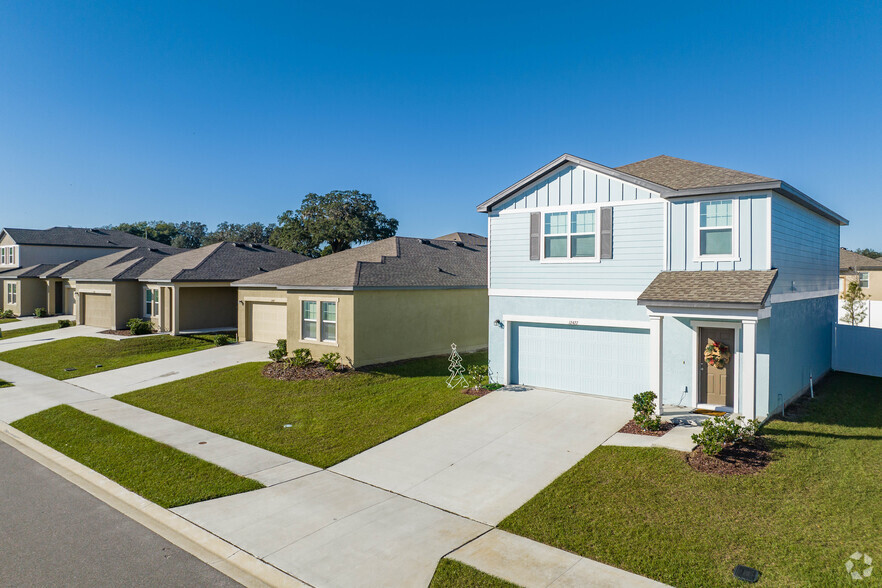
[716, 384]
[59, 298]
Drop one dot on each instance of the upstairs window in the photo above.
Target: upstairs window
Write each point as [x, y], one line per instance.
[865, 279]
[7, 255]
[716, 228]
[570, 235]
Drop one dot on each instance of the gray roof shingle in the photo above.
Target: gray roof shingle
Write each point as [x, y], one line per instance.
[682, 174]
[741, 288]
[33, 271]
[221, 262]
[849, 260]
[396, 262]
[79, 237]
[128, 264]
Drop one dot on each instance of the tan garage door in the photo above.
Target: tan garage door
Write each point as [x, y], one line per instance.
[269, 321]
[98, 310]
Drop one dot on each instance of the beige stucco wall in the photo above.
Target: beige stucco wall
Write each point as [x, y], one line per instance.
[208, 307]
[31, 295]
[875, 289]
[401, 324]
[246, 294]
[345, 344]
[129, 302]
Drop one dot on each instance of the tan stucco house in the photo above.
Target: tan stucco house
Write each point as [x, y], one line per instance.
[38, 286]
[192, 291]
[866, 270]
[393, 299]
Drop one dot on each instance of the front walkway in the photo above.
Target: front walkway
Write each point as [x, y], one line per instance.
[30, 321]
[48, 336]
[31, 393]
[487, 458]
[169, 369]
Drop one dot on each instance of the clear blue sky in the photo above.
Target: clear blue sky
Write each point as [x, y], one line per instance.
[217, 111]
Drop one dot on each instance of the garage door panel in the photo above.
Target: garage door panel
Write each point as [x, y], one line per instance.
[602, 361]
[269, 321]
[98, 310]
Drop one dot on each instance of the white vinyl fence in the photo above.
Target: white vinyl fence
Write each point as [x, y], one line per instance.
[857, 350]
[874, 314]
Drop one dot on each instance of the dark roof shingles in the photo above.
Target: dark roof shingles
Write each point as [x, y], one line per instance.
[718, 287]
[79, 237]
[224, 262]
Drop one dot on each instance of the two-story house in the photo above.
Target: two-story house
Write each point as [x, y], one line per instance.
[612, 281]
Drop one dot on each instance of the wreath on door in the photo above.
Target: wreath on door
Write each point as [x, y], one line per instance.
[717, 354]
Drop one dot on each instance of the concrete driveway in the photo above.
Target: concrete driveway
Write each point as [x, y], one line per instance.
[47, 336]
[31, 321]
[144, 375]
[487, 458]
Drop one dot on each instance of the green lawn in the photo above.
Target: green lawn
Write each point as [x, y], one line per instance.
[5, 384]
[647, 511]
[330, 420]
[85, 353]
[453, 574]
[27, 331]
[159, 473]
[12, 320]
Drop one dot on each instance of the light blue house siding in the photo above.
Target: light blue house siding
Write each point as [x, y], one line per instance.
[753, 223]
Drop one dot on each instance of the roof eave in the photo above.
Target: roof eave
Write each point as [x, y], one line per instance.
[701, 304]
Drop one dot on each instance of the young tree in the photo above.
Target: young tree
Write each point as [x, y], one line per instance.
[332, 222]
[854, 303]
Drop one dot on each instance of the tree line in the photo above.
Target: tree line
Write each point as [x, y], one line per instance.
[324, 224]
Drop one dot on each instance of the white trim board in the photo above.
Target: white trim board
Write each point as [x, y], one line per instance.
[583, 205]
[577, 294]
[795, 296]
[576, 322]
[736, 361]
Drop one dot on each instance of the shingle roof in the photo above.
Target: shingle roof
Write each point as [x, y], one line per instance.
[128, 264]
[79, 237]
[59, 270]
[464, 238]
[224, 262]
[396, 262]
[740, 288]
[682, 174]
[849, 260]
[33, 271]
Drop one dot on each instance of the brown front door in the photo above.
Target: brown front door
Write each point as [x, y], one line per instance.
[715, 385]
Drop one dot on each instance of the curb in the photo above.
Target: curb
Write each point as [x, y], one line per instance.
[211, 549]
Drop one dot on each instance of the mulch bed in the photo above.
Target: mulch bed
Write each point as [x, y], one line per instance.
[123, 333]
[635, 429]
[314, 371]
[476, 391]
[738, 460]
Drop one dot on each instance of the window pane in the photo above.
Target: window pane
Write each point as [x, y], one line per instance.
[329, 311]
[308, 330]
[555, 246]
[329, 332]
[716, 213]
[582, 222]
[716, 242]
[309, 310]
[865, 279]
[148, 296]
[583, 246]
[556, 223]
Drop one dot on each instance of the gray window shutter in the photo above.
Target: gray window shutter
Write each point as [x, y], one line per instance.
[606, 214]
[535, 223]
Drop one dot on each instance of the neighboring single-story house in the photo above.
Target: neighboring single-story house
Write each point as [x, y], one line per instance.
[613, 281]
[866, 270]
[393, 299]
[38, 286]
[107, 292]
[192, 291]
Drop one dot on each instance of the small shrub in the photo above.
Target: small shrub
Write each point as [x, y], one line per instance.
[331, 361]
[139, 326]
[63, 323]
[221, 339]
[1, 333]
[300, 358]
[477, 377]
[644, 411]
[722, 431]
[40, 312]
[7, 314]
[281, 350]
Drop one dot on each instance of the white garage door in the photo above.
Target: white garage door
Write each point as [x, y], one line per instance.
[98, 310]
[602, 361]
[269, 321]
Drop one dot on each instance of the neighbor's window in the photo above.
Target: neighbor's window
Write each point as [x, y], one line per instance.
[570, 234]
[11, 293]
[318, 327]
[865, 279]
[7, 255]
[715, 228]
[3, 255]
[151, 302]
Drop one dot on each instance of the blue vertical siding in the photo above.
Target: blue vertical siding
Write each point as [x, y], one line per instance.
[805, 249]
[638, 243]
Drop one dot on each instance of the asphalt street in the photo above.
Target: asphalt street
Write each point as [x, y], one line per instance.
[52, 533]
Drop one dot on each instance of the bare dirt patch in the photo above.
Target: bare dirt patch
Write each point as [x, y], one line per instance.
[635, 429]
[313, 371]
[738, 460]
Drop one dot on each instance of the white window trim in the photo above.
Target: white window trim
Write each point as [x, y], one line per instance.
[736, 359]
[861, 279]
[318, 320]
[154, 311]
[736, 232]
[569, 211]
[12, 293]
[8, 255]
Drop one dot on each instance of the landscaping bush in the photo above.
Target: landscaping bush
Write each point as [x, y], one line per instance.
[64, 323]
[722, 431]
[139, 326]
[331, 361]
[477, 377]
[221, 339]
[300, 358]
[281, 350]
[6, 314]
[644, 411]
[40, 312]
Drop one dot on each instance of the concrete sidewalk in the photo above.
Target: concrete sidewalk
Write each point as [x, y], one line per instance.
[48, 336]
[32, 392]
[30, 321]
[144, 375]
